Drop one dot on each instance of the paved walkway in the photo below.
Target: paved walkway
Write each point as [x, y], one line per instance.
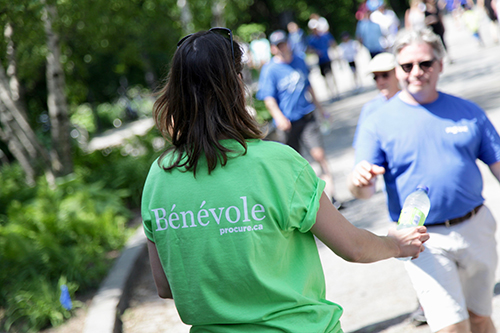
[376, 297]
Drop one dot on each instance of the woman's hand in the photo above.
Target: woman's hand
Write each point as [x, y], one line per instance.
[410, 241]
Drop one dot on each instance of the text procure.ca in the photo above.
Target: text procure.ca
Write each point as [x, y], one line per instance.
[204, 216]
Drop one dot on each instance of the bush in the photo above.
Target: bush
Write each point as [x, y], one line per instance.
[122, 168]
[66, 232]
[136, 102]
[64, 236]
[13, 187]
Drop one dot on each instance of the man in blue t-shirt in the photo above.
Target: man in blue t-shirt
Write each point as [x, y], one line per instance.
[285, 89]
[423, 136]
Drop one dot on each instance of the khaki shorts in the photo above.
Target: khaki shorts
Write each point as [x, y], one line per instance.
[456, 272]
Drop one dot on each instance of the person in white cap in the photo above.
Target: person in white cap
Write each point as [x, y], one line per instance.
[382, 66]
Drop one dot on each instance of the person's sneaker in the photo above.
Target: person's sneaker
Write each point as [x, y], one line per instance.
[417, 317]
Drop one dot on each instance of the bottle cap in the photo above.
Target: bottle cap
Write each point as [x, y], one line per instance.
[424, 188]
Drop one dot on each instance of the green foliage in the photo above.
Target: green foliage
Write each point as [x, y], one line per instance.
[30, 312]
[262, 113]
[12, 188]
[63, 232]
[48, 236]
[83, 116]
[247, 31]
[122, 168]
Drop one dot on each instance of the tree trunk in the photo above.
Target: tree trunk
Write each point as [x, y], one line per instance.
[18, 124]
[16, 131]
[62, 161]
[16, 148]
[15, 90]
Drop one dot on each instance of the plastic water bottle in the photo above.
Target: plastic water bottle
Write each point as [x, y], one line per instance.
[415, 210]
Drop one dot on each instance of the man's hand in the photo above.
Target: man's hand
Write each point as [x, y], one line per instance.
[365, 174]
[282, 122]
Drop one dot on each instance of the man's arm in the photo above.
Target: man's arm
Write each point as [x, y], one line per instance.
[361, 181]
[360, 245]
[161, 282]
[272, 106]
[495, 170]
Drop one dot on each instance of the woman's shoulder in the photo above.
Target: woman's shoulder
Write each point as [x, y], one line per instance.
[276, 153]
[270, 147]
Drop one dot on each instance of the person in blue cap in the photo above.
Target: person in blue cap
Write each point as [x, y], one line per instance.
[285, 89]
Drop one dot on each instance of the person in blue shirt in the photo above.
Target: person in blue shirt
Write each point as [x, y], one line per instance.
[369, 34]
[287, 93]
[382, 66]
[424, 136]
[296, 39]
[320, 42]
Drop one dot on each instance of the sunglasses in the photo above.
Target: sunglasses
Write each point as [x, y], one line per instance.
[424, 65]
[378, 76]
[224, 32]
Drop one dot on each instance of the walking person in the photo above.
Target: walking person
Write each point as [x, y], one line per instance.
[369, 34]
[350, 49]
[230, 218]
[415, 16]
[434, 19]
[424, 136]
[297, 39]
[388, 22]
[284, 87]
[382, 67]
[320, 42]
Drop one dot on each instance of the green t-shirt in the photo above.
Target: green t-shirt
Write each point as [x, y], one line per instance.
[235, 245]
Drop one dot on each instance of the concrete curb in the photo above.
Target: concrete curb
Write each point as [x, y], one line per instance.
[111, 300]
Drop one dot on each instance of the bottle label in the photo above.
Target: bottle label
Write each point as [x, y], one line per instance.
[411, 217]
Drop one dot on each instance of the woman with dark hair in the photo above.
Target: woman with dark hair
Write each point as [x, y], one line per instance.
[230, 218]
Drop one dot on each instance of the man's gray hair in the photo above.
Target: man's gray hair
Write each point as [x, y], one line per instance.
[407, 37]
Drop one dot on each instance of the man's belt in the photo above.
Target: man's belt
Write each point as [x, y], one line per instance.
[449, 223]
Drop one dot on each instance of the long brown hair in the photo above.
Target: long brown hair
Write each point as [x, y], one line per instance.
[202, 102]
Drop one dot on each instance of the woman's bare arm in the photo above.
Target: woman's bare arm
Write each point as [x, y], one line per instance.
[162, 285]
[360, 245]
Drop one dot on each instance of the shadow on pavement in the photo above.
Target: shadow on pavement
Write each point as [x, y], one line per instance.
[377, 327]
